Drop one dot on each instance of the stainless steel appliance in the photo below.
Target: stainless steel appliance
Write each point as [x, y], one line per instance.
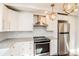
[40, 21]
[42, 46]
[63, 37]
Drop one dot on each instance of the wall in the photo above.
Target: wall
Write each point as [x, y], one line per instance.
[41, 31]
[77, 30]
[77, 35]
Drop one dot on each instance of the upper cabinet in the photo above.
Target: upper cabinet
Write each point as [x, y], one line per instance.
[25, 21]
[1, 16]
[4, 13]
[11, 20]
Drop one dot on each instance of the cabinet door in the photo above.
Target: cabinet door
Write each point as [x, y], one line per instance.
[6, 22]
[22, 49]
[10, 20]
[25, 21]
[1, 17]
[17, 21]
[4, 18]
[13, 19]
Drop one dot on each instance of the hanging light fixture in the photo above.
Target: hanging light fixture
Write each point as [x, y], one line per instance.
[70, 7]
[53, 14]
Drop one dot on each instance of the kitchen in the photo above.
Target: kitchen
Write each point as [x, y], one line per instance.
[19, 25]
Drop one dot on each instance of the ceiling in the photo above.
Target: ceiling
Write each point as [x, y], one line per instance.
[37, 7]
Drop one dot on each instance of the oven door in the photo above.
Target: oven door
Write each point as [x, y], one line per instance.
[42, 48]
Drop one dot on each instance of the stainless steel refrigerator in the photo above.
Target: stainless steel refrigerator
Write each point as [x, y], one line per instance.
[63, 37]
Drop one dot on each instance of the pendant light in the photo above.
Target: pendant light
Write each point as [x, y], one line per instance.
[69, 8]
[53, 14]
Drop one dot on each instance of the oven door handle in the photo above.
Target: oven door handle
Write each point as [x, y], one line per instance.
[43, 43]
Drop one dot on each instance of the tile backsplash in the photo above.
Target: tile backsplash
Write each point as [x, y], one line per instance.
[41, 31]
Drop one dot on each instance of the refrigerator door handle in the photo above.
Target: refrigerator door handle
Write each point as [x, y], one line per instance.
[63, 32]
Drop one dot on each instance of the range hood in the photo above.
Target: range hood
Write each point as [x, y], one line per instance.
[40, 21]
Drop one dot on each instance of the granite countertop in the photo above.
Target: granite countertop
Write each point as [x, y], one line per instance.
[22, 39]
[52, 38]
[19, 39]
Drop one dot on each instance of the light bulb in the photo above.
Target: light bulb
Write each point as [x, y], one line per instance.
[69, 6]
[76, 10]
[46, 12]
[52, 15]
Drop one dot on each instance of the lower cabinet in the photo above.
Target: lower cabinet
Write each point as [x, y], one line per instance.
[53, 47]
[22, 49]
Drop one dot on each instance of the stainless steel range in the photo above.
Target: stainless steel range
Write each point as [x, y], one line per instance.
[42, 46]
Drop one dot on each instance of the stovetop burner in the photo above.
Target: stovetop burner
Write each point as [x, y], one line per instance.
[40, 39]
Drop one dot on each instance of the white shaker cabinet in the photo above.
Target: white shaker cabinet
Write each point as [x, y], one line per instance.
[5, 20]
[18, 21]
[11, 20]
[1, 17]
[22, 49]
[8, 19]
[25, 22]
